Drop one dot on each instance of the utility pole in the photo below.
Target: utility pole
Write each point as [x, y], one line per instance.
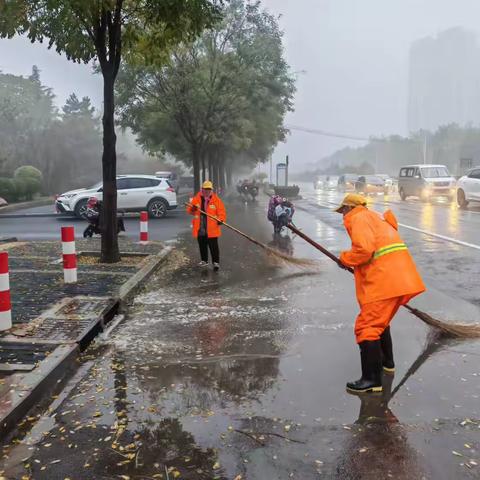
[271, 170]
[286, 172]
[425, 150]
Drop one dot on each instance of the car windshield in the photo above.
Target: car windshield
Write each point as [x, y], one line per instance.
[374, 180]
[435, 172]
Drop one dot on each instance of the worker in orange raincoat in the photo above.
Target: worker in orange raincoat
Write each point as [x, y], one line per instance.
[385, 279]
[204, 228]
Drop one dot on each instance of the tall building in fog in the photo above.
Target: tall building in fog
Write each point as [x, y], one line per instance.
[444, 83]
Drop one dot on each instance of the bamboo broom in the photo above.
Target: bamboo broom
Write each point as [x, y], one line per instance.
[447, 329]
[297, 262]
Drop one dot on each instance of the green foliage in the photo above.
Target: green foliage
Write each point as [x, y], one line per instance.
[26, 187]
[223, 97]
[446, 146]
[27, 171]
[100, 30]
[7, 189]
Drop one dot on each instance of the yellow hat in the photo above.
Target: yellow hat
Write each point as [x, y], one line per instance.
[352, 200]
[207, 185]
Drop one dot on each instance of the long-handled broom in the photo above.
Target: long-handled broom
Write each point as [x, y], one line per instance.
[448, 329]
[298, 262]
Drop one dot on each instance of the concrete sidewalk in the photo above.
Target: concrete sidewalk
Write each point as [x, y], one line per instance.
[53, 321]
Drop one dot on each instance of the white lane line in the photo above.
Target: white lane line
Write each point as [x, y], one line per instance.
[441, 237]
[426, 232]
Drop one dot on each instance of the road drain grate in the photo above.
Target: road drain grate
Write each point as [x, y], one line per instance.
[70, 319]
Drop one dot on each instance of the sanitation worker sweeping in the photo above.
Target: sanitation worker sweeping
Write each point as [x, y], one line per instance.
[385, 279]
[206, 228]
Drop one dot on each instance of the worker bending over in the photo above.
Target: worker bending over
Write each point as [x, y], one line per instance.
[385, 279]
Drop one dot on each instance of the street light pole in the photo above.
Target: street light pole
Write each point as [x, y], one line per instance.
[425, 150]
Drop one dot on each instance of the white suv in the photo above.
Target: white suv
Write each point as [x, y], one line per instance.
[468, 188]
[134, 193]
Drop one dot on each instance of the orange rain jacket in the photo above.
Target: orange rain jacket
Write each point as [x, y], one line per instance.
[215, 208]
[383, 266]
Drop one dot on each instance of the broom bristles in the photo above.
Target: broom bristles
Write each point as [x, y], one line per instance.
[454, 330]
[288, 259]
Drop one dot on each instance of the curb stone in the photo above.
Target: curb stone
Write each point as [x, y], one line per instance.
[49, 376]
[35, 385]
[34, 203]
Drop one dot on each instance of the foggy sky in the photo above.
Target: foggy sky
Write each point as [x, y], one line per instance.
[354, 52]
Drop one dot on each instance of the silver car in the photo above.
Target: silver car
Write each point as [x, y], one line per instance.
[426, 182]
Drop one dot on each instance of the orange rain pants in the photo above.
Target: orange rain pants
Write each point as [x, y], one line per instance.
[375, 317]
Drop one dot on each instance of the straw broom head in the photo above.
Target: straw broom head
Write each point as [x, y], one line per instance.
[453, 330]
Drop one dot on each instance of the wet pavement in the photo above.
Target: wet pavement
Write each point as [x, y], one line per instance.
[241, 374]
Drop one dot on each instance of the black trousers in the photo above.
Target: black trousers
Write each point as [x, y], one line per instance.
[205, 243]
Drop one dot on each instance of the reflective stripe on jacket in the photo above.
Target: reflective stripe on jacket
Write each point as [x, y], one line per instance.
[215, 208]
[382, 263]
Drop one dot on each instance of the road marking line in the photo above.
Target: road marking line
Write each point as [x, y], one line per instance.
[425, 232]
[441, 237]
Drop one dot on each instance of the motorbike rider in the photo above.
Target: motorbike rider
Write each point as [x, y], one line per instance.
[283, 214]
[93, 215]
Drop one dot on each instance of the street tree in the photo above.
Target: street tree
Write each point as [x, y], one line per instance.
[102, 31]
[219, 101]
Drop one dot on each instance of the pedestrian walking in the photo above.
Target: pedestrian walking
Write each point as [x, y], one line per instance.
[385, 279]
[206, 229]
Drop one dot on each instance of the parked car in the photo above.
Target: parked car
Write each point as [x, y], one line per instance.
[346, 182]
[425, 182]
[135, 193]
[468, 188]
[370, 184]
[172, 177]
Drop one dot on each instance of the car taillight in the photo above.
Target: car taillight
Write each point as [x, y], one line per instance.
[170, 189]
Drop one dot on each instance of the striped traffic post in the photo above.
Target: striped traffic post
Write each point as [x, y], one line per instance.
[69, 255]
[143, 228]
[5, 304]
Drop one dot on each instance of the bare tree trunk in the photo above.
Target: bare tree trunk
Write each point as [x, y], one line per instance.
[210, 168]
[221, 174]
[196, 169]
[203, 167]
[228, 169]
[110, 252]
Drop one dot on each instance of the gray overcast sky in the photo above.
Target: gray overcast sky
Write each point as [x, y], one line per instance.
[355, 53]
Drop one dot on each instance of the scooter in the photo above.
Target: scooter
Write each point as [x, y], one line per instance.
[93, 214]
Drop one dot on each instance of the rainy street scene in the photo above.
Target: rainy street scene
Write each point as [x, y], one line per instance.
[239, 240]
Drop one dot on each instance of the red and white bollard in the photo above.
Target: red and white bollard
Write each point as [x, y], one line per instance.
[5, 303]
[143, 228]
[69, 255]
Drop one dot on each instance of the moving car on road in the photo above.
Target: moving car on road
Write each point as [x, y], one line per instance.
[325, 182]
[389, 183]
[468, 188]
[346, 182]
[370, 184]
[135, 193]
[426, 182]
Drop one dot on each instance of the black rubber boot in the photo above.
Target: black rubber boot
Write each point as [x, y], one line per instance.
[371, 358]
[387, 352]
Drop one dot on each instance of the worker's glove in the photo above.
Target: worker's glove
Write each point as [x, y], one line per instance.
[342, 266]
[194, 208]
[219, 222]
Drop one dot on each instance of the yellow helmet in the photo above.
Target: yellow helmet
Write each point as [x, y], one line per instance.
[207, 185]
[352, 200]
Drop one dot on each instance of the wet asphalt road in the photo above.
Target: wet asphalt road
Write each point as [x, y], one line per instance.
[241, 374]
[48, 228]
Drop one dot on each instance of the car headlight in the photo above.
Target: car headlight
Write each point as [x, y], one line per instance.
[68, 196]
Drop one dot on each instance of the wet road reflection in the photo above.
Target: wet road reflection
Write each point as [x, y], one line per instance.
[241, 375]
